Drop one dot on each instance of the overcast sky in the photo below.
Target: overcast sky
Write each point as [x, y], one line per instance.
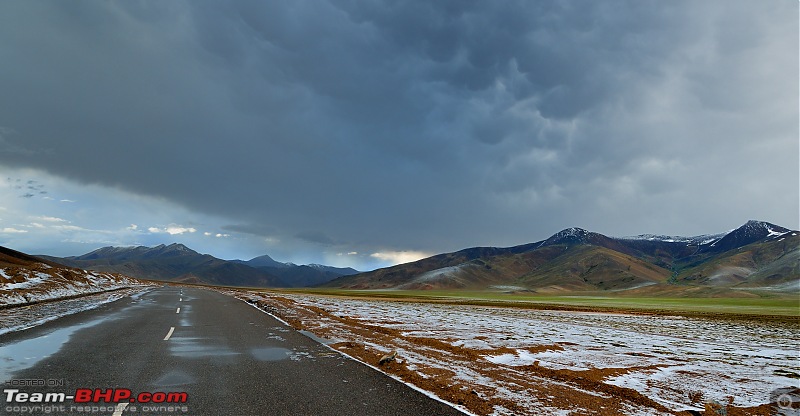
[366, 133]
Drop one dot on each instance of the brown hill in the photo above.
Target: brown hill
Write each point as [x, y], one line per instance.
[755, 255]
[767, 264]
[25, 279]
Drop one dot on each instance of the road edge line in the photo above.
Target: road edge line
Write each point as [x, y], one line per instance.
[392, 376]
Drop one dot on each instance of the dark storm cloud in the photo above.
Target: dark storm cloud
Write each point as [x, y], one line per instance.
[422, 125]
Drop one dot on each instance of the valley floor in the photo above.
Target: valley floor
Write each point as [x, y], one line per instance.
[501, 360]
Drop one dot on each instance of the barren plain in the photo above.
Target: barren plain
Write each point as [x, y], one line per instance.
[508, 360]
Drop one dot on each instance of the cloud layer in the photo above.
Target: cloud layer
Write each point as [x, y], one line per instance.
[383, 127]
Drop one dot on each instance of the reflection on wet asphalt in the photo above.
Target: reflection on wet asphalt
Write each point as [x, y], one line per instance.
[229, 358]
[23, 354]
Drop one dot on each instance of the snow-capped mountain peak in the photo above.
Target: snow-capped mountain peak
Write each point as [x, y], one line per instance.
[572, 235]
[698, 240]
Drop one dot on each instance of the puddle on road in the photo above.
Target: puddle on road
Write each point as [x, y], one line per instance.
[270, 353]
[191, 347]
[24, 354]
[138, 296]
[185, 312]
[277, 329]
[279, 354]
[184, 321]
[322, 341]
[174, 378]
[275, 337]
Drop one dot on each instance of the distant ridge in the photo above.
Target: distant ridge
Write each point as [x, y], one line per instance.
[755, 256]
[177, 262]
[262, 261]
[298, 275]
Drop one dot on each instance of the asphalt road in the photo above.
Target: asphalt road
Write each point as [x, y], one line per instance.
[229, 358]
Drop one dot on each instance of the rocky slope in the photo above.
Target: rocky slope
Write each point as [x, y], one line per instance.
[26, 279]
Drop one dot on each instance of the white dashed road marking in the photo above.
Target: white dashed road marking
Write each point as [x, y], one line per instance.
[169, 334]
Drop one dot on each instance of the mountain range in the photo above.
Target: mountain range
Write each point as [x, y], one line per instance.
[757, 255]
[178, 263]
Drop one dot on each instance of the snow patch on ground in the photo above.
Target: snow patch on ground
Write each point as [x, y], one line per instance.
[507, 287]
[668, 358]
[437, 274]
[26, 284]
[22, 285]
[791, 286]
[640, 285]
[522, 357]
[773, 233]
[730, 272]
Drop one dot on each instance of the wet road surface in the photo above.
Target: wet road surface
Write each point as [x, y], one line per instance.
[228, 357]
